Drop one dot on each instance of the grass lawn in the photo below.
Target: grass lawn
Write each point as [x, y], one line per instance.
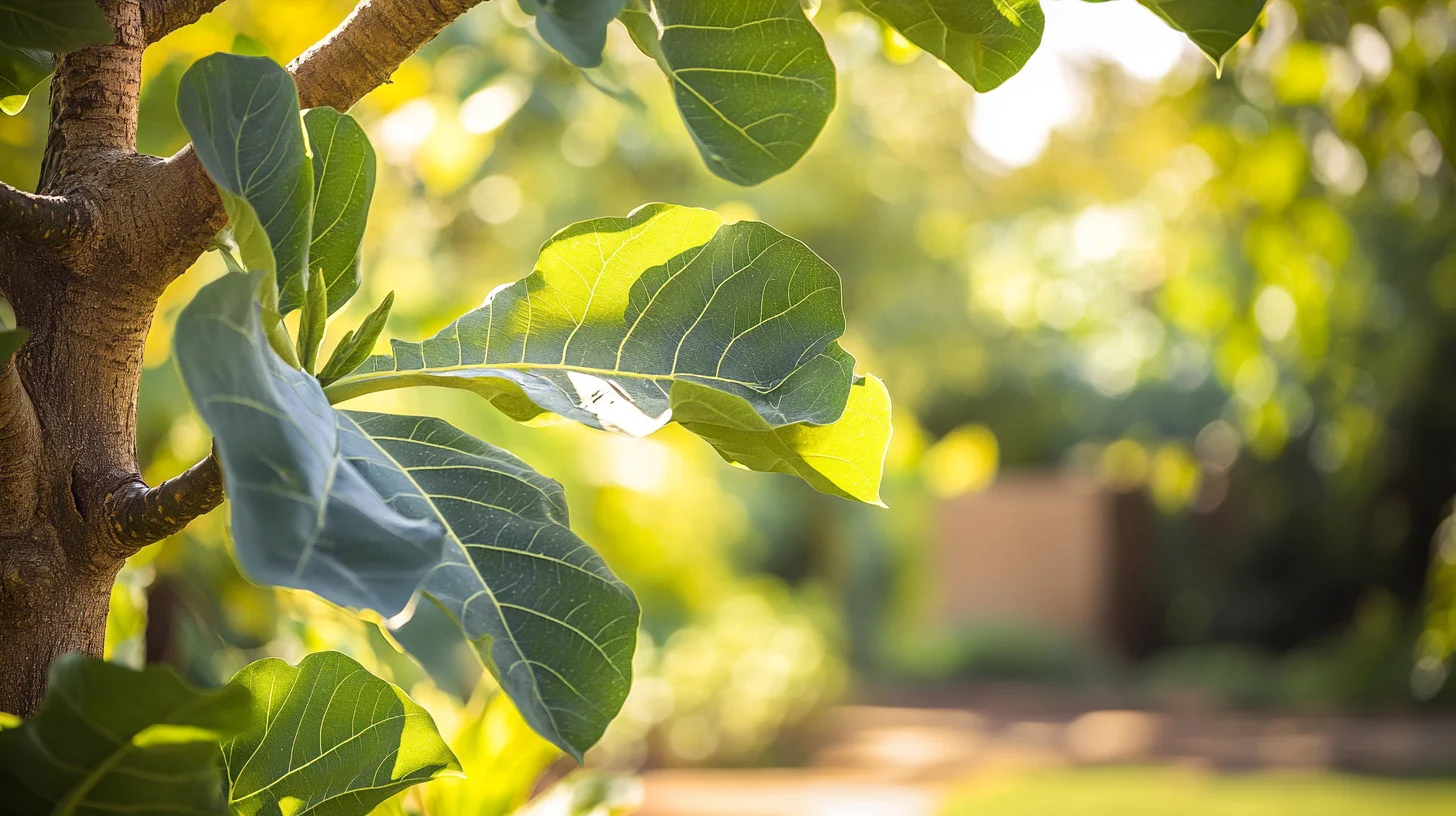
[1179, 792]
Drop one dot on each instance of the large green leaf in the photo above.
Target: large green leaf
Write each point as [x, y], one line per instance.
[620, 309]
[542, 609]
[53, 25]
[752, 79]
[577, 29]
[843, 459]
[109, 739]
[343, 178]
[985, 41]
[242, 116]
[328, 739]
[303, 515]
[1215, 26]
[21, 70]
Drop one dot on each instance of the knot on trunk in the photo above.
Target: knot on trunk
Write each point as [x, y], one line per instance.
[31, 575]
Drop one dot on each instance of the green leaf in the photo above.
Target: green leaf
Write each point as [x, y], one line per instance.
[544, 612]
[843, 459]
[302, 514]
[21, 70]
[621, 309]
[242, 116]
[357, 345]
[109, 739]
[577, 29]
[752, 79]
[328, 739]
[53, 25]
[1215, 26]
[343, 177]
[985, 41]
[10, 342]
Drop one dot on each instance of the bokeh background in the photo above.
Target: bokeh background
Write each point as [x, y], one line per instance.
[1173, 357]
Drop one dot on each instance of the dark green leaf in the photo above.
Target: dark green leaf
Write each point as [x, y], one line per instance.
[10, 342]
[343, 176]
[577, 29]
[109, 739]
[1215, 26]
[328, 739]
[357, 345]
[544, 612]
[621, 309]
[21, 70]
[53, 25]
[302, 514]
[752, 79]
[985, 41]
[242, 116]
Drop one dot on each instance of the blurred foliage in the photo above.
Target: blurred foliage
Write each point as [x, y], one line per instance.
[1232, 294]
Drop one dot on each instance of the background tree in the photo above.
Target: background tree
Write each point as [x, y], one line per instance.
[87, 258]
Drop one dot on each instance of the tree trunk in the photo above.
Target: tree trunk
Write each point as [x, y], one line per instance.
[71, 619]
[83, 262]
[79, 375]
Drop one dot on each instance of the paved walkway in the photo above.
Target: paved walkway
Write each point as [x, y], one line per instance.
[887, 761]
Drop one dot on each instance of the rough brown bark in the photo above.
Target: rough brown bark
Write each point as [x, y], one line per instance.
[83, 262]
[162, 17]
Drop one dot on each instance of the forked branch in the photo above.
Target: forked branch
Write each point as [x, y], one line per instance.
[41, 219]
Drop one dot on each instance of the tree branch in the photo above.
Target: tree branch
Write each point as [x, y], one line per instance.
[356, 57]
[94, 97]
[40, 219]
[20, 447]
[162, 17]
[139, 515]
[364, 50]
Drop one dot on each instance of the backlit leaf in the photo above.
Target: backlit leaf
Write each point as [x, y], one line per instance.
[985, 41]
[843, 459]
[752, 79]
[21, 70]
[620, 309]
[53, 25]
[343, 178]
[328, 738]
[109, 739]
[545, 614]
[1215, 26]
[302, 514]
